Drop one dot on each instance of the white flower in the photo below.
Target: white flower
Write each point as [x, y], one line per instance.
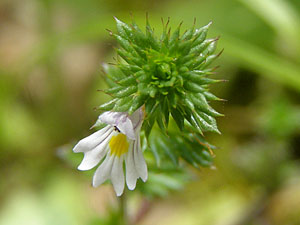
[118, 141]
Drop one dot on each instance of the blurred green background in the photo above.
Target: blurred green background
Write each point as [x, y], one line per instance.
[51, 53]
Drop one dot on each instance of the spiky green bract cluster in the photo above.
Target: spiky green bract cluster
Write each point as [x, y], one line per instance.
[169, 75]
[187, 145]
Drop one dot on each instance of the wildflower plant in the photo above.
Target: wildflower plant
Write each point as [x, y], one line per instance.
[118, 141]
[160, 108]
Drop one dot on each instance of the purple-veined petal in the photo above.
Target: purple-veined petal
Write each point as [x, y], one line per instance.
[125, 126]
[120, 120]
[111, 118]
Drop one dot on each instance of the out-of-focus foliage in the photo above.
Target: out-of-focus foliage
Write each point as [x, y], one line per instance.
[187, 145]
[50, 57]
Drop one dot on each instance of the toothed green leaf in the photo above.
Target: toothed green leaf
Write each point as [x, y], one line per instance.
[108, 105]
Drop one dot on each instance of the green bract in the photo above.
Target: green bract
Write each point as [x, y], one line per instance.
[169, 75]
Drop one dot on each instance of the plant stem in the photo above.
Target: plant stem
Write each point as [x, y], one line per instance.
[123, 210]
[143, 210]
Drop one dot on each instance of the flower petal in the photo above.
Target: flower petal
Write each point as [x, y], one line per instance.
[107, 117]
[117, 175]
[137, 118]
[93, 157]
[112, 118]
[131, 173]
[120, 120]
[103, 171]
[126, 127]
[93, 140]
[140, 164]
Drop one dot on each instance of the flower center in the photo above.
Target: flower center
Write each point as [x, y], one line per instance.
[118, 145]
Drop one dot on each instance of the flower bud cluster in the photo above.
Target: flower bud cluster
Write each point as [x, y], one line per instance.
[169, 75]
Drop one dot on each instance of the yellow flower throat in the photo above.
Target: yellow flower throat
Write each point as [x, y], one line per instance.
[118, 145]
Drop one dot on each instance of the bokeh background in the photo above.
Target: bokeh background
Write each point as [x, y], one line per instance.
[51, 53]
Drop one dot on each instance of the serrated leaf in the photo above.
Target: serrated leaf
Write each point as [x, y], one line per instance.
[123, 104]
[166, 146]
[113, 90]
[108, 105]
[200, 34]
[138, 101]
[159, 120]
[148, 124]
[188, 34]
[200, 160]
[192, 120]
[113, 73]
[190, 86]
[211, 48]
[124, 43]
[211, 97]
[165, 111]
[175, 36]
[126, 91]
[178, 118]
[206, 122]
[127, 81]
[123, 29]
[139, 37]
[150, 36]
[172, 99]
[201, 47]
[150, 106]
[208, 61]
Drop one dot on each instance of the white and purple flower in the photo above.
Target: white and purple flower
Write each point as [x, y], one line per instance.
[118, 141]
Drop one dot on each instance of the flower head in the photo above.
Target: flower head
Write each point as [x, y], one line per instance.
[170, 75]
[118, 141]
